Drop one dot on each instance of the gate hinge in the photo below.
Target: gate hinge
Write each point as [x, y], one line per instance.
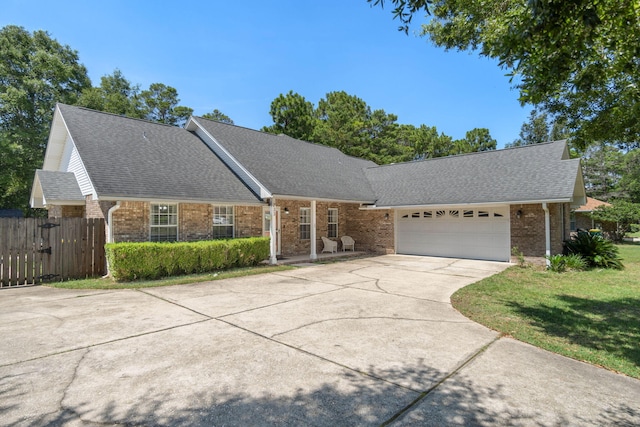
[45, 251]
[49, 225]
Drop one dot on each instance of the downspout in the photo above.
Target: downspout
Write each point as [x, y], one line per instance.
[547, 233]
[273, 260]
[110, 212]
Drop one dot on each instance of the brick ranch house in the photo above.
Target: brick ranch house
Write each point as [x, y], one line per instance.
[581, 219]
[213, 180]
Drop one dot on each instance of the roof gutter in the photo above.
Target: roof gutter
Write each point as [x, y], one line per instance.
[547, 233]
[446, 205]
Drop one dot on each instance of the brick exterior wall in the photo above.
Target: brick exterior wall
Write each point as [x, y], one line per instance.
[131, 221]
[195, 221]
[248, 221]
[97, 209]
[528, 231]
[371, 231]
[58, 211]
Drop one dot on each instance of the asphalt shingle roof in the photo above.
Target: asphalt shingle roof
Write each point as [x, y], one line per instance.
[290, 167]
[59, 186]
[134, 158]
[531, 173]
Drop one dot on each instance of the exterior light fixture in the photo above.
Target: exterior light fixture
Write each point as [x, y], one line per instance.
[286, 211]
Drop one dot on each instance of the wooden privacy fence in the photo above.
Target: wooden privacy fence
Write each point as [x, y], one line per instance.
[34, 250]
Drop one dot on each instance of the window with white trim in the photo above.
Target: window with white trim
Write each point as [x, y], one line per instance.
[223, 222]
[305, 223]
[332, 223]
[164, 223]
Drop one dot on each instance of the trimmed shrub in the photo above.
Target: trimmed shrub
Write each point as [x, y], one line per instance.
[149, 260]
[596, 251]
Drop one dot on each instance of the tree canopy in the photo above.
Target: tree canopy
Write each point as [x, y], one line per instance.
[348, 123]
[218, 116]
[35, 72]
[576, 59]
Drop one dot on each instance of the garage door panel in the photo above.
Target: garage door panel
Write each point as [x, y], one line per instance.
[483, 233]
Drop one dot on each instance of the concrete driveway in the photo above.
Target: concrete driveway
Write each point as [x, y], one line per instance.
[366, 342]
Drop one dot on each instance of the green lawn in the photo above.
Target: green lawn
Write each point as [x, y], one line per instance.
[593, 316]
[177, 280]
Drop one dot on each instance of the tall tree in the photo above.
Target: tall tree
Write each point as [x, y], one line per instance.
[535, 131]
[630, 182]
[218, 116]
[115, 95]
[292, 115]
[478, 139]
[427, 143]
[161, 104]
[575, 58]
[36, 71]
[342, 120]
[603, 167]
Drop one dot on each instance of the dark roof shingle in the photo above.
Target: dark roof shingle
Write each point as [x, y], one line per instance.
[127, 157]
[531, 173]
[290, 167]
[59, 186]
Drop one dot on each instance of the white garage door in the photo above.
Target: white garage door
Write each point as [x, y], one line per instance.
[478, 233]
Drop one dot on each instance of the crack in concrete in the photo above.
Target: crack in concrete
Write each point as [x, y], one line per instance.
[106, 342]
[325, 282]
[277, 303]
[61, 407]
[369, 318]
[430, 390]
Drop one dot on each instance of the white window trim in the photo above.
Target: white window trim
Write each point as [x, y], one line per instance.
[151, 225]
[330, 223]
[233, 219]
[305, 223]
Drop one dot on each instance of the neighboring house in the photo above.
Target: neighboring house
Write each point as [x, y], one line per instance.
[581, 218]
[213, 180]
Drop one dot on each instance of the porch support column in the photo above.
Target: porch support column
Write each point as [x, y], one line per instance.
[273, 260]
[547, 233]
[314, 255]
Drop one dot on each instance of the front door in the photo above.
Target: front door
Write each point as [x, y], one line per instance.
[266, 224]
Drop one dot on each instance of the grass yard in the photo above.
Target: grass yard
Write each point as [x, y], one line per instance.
[593, 316]
[109, 283]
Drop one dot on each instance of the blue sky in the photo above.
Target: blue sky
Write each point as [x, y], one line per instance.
[239, 56]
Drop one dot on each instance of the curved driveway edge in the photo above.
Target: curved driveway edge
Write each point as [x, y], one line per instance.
[366, 342]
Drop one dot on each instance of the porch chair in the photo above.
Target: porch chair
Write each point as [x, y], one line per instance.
[348, 242]
[329, 245]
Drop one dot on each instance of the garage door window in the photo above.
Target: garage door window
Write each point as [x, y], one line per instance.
[444, 214]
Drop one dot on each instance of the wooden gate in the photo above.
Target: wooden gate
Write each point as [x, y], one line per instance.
[35, 250]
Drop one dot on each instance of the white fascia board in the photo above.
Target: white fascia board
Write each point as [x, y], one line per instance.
[59, 136]
[37, 197]
[116, 198]
[318, 199]
[224, 154]
[579, 194]
[462, 205]
[56, 142]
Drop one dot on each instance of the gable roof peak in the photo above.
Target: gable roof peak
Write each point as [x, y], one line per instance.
[106, 113]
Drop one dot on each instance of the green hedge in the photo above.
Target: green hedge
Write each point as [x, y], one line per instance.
[149, 260]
